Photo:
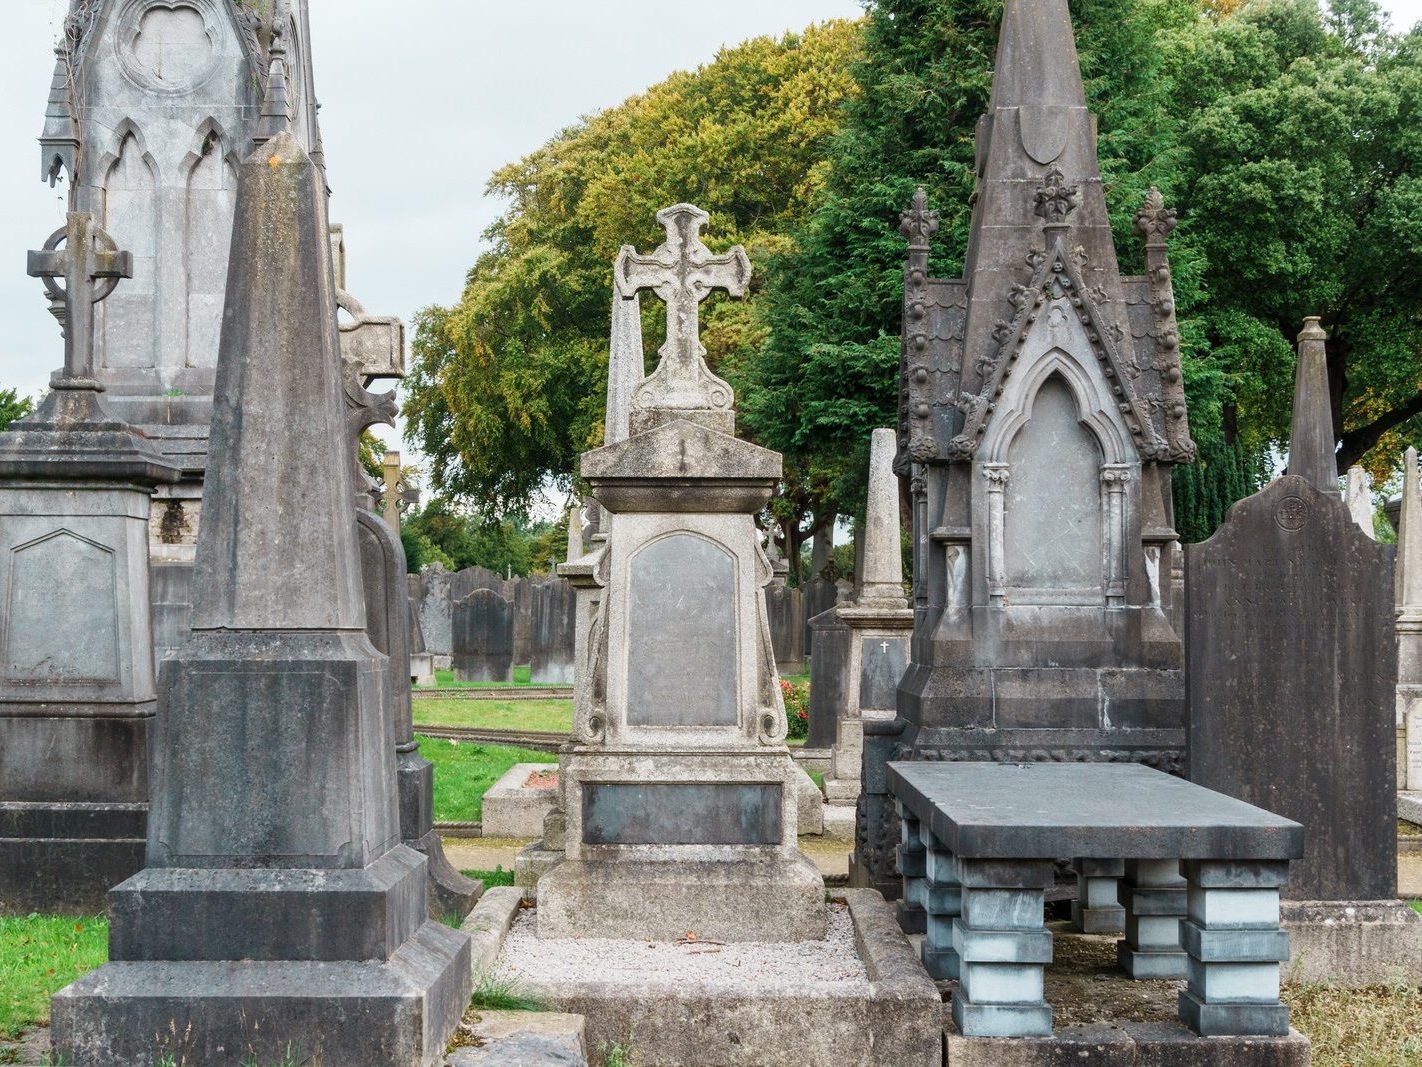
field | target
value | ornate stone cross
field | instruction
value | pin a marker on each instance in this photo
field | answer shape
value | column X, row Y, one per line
column 91, row 265
column 683, row 272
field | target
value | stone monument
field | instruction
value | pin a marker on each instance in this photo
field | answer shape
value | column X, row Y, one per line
column 1291, row 661
column 77, row 695
column 552, row 633
column 278, row 912
column 1358, row 495
column 678, row 787
column 877, row 622
column 1408, row 587
column 483, row 630
column 1042, row 409
column 385, row 583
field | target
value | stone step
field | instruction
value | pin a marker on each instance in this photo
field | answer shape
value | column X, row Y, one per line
column 527, row 1038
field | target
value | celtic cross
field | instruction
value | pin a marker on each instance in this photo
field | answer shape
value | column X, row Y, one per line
column 683, row 273
column 91, row 266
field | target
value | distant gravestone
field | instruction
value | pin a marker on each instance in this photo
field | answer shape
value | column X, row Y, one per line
column 483, row 638
column 552, row 632
column 435, row 608
column 786, row 609
column 829, row 677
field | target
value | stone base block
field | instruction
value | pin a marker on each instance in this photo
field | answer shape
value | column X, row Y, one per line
column 999, row 1020
column 843, row 792
column 450, row 894
column 401, row 1011
column 62, row 859
column 809, row 803
column 1352, row 943
column 898, row 1021
column 1127, row 1045
column 763, row 897
column 839, row 824
column 1233, row 1019
column 526, row 1038
column 1106, row 920
column 276, row 915
column 1141, row 964
column 531, row 864
column 513, row 809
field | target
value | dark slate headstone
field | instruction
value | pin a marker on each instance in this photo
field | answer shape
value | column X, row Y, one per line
column 552, row 631
column 829, row 677
column 693, row 813
column 785, row 608
column 1291, row 661
column 681, row 635
column 483, row 631
column 882, row 663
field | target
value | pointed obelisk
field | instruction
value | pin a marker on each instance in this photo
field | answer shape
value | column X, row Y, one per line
column 274, row 835
column 1312, row 445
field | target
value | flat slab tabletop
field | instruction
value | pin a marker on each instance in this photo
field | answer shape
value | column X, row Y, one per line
column 1086, row 811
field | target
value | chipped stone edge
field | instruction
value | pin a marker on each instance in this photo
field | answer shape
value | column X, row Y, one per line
column 489, row 923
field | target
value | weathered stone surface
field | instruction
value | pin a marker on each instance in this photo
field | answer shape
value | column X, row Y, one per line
column 274, row 794
column 830, row 644
column 1127, row 1045
column 483, row 637
column 1408, row 588
column 1041, row 412
column 785, row 608
column 436, row 610
column 527, row 1038
column 1352, row 942
column 513, row 808
column 1291, row 610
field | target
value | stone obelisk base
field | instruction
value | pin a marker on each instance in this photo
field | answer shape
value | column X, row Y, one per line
column 220, row 1013
column 450, row 893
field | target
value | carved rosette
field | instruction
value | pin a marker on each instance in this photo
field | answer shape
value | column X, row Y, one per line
column 918, row 224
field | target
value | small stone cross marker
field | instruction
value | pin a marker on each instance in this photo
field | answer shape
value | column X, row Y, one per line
column 884, row 646
column 91, row 265
column 683, row 272
column 398, row 497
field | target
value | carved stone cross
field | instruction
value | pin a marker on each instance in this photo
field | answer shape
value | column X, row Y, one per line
column 683, row 272
column 91, row 265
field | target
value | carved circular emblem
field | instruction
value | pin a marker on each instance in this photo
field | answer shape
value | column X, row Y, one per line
column 1292, row 513
column 168, row 46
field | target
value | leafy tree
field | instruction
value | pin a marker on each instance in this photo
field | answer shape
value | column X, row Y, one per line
column 508, row 386
column 13, row 407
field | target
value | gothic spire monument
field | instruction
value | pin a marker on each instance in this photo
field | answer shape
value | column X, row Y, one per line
column 152, row 106
column 1042, row 409
column 277, row 892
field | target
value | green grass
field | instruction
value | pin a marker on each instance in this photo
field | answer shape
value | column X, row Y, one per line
column 1378, row 1026
column 521, row 676
column 818, row 779
column 1415, row 905
column 498, row 876
column 464, row 773
column 39, row 955
column 552, row 715
column 497, row 992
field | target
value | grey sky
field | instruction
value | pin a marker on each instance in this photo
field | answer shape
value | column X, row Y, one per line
column 421, row 102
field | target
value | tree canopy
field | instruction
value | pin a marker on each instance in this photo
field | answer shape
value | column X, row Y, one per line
column 1285, row 132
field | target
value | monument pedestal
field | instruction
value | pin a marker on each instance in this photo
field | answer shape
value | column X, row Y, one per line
column 710, row 837
column 1352, row 942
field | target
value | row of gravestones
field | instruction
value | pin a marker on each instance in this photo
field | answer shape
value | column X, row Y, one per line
column 487, row 625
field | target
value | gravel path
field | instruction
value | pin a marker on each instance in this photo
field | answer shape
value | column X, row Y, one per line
column 829, row 966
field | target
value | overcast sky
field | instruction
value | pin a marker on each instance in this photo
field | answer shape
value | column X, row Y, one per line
column 421, row 101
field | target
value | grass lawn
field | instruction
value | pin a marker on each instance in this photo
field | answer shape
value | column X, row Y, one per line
column 1379, row 1026
column 551, row 715
column 39, row 955
column 463, row 774
column 521, row 676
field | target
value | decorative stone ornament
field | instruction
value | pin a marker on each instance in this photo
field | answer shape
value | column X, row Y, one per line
column 678, row 787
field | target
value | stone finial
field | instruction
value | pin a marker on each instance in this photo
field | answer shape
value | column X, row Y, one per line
column 882, row 565
column 91, row 266
column 1357, row 494
column 59, row 143
column 1312, row 444
column 1155, row 221
column 276, row 105
column 276, row 549
column 683, row 272
column 1409, row 543
column 1037, row 66
column 575, row 534
column 626, row 365
column 1057, row 198
column 918, row 223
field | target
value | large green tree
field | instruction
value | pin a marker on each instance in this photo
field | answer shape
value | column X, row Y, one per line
column 507, row 387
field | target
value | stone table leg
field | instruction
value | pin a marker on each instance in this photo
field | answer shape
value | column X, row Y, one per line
column 942, row 904
column 1002, row 947
column 912, row 859
column 1097, row 909
column 1234, row 948
column 1154, row 897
